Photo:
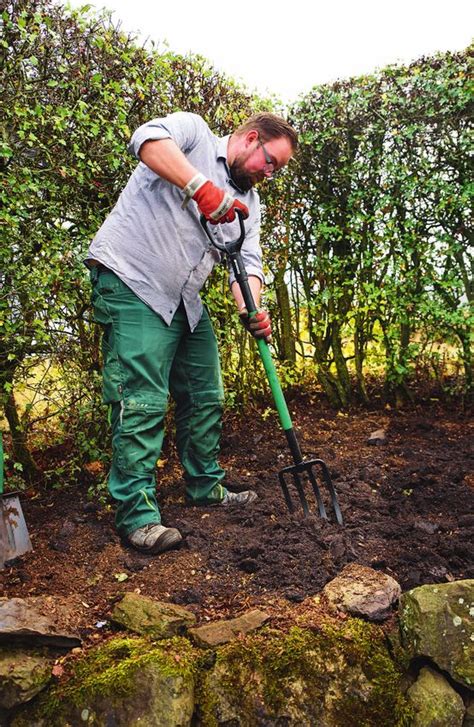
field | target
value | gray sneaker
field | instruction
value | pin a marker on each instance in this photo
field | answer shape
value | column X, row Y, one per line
column 154, row 538
column 238, row 499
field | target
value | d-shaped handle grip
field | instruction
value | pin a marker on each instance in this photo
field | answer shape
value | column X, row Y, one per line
column 233, row 245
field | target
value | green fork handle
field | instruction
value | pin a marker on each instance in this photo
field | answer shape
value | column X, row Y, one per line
column 274, row 382
column 232, row 249
column 267, row 360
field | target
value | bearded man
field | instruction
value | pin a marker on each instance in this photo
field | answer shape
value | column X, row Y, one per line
column 148, row 263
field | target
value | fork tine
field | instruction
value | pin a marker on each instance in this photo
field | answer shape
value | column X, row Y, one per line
column 317, row 492
column 308, row 468
column 286, row 492
column 299, row 487
column 332, row 491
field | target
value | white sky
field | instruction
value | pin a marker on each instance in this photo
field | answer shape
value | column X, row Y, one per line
column 286, row 48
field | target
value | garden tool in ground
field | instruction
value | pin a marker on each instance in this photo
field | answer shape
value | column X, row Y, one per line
column 302, row 471
column 14, row 538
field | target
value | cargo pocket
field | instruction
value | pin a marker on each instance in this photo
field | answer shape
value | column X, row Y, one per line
column 112, row 387
column 141, row 432
column 112, row 376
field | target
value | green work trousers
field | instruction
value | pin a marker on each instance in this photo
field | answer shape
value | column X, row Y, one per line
column 144, row 360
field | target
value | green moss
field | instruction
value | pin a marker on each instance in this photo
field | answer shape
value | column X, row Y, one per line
column 264, row 667
column 268, row 672
column 400, row 655
column 110, row 669
column 386, row 705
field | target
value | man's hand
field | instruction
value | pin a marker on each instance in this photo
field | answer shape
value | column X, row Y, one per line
column 216, row 204
column 259, row 326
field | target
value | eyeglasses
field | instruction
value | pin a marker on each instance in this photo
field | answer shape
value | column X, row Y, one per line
column 269, row 166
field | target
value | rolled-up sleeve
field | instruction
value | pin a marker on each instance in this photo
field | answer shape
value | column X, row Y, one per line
column 182, row 127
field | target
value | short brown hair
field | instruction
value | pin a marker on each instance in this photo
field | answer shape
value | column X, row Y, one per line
column 270, row 126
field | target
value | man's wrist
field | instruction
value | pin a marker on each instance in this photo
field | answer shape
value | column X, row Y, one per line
column 192, row 187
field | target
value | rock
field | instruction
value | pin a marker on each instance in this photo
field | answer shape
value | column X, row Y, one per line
column 335, row 674
column 123, row 683
column 426, row 527
column 135, row 563
column 155, row 619
column 221, row 632
column 23, row 674
column 435, row 702
column 304, row 678
column 362, row 591
column 377, row 438
column 68, row 529
column 437, row 621
column 469, row 716
column 60, row 546
column 37, row 620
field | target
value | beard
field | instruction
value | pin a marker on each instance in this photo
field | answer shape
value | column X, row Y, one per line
column 242, row 179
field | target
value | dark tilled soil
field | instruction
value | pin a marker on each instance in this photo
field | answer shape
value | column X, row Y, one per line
column 407, row 506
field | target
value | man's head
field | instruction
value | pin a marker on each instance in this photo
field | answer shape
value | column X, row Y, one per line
column 259, row 148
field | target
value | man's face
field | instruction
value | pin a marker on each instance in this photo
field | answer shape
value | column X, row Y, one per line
column 256, row 160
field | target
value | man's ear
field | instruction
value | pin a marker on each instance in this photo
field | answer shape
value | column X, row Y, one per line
column 251, row 136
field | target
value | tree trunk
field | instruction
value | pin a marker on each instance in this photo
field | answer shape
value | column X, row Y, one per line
column 343, row 378
column 359, row 354
column 287, row 343
column 21, row 453
column 466, row 356
column 327, row 380
column 403, row 395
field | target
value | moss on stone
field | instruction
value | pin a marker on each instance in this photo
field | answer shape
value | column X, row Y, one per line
column 23, row 673
column 269, row 670
column 341, row 673
column 109, row 671
column 436, row 622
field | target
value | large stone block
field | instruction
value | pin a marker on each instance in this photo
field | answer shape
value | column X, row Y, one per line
column 125, row 682
column 221, row 632
column 437, row 621
column 363, row 592
column 338, row 675
column 23, row 674
column 156, row 619
column 435, row 702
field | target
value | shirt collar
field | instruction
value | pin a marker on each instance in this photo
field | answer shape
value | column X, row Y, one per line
column 222, row 144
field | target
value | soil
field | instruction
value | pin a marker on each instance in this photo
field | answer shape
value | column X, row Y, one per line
column 407, row 506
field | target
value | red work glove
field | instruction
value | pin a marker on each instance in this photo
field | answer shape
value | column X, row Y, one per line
column 259, row 326
column 216, row 205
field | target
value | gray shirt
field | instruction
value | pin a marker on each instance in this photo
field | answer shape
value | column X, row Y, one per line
column 156, row 248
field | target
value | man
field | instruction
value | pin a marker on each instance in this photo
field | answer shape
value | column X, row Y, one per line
column 148, row 262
